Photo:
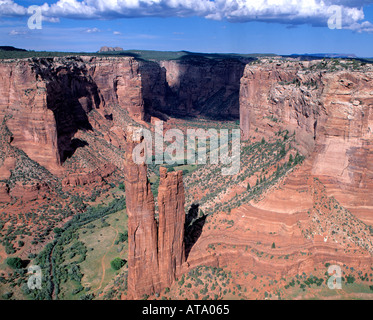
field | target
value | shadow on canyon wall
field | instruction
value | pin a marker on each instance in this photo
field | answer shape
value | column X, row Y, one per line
column 193, row 86
column 193, row 228
column 71, row 96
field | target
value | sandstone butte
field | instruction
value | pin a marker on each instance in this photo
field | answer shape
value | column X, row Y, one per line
column 156, row 250
column 47, row 102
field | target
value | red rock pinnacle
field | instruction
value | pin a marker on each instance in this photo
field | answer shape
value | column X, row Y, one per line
column 171, row 249
column 143, row 276
column 155, row 254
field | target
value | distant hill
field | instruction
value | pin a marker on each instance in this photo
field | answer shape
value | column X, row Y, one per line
column 10, row 48
column 324, row 55
column 10, row 52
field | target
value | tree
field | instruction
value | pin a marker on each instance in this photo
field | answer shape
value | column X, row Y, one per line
column 117, row 263
column 58, row 231
column 290, row 158
column 123, row 237
column 248, row 187
column 273, row 245
column 121, row 186
column 14, row 263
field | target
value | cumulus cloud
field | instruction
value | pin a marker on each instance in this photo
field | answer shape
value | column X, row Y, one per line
column 289, row 12
column 11, row 9
column 365, row 26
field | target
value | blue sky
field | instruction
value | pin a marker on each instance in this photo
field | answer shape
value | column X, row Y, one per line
column 241, row 26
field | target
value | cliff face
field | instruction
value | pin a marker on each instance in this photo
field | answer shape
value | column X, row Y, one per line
column 49, row 99
column 156, row 250
column 274, row 92
column 330, row 112
column 202, row 86
column 23, row 97
column 119, row 82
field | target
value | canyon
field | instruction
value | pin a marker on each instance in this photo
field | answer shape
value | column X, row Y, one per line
column 65, row 125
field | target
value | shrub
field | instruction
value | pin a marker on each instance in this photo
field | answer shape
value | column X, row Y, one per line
column 14, row 263
column 122, row 187
column 117, row 263
column 7, row 295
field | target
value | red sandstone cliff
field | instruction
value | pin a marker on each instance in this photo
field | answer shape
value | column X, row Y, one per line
column 51, row 101
column 23, row 96
column 97, row 175
column 203, row 86
column 331, row 113
column 48, row 100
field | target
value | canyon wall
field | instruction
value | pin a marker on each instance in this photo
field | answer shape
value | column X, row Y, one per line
column 272, row 91
column 331, row 112
column 23, row 100
column 47, row 100
column 200, row 86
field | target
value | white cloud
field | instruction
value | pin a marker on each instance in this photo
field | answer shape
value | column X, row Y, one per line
column 10, row 8
column 365, row 26
column 92, row 30
column 18, row 32
column 117, row 33
column 289, row 12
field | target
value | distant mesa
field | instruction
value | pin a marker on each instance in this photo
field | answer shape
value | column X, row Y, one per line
column 110, row 49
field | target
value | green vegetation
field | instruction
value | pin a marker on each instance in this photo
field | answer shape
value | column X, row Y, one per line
column 149, row 55
column 14, row 263
column 117, row 263
column 61, row 260
column 122, row 187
